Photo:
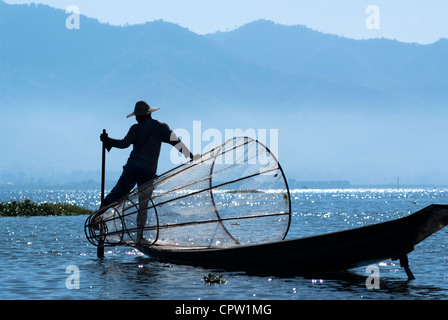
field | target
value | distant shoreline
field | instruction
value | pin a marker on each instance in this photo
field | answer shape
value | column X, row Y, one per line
column 293, row 184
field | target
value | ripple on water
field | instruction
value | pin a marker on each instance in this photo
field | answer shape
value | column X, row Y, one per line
column 36, row 251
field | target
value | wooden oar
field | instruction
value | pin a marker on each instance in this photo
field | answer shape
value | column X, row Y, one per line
column 100, row 249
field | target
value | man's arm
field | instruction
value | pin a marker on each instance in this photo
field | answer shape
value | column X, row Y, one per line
column 180, row 146
column 119, row 143
column 168, row 136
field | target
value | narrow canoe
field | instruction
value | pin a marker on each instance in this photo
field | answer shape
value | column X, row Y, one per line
column 329, row 252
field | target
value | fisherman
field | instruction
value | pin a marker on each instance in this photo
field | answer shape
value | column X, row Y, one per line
column 146, row 137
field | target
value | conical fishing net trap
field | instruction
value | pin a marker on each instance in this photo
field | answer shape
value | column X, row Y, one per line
column 235, row 194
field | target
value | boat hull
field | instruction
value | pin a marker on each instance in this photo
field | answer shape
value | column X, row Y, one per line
column 329, row 252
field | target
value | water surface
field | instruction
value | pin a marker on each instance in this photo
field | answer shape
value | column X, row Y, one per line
column 35, row 253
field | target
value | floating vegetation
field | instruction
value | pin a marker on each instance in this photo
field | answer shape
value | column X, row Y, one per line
column 27, row 208
column 213, row 279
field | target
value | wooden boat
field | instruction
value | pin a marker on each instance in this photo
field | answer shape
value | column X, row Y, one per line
column 329, row 252
column 232, row 209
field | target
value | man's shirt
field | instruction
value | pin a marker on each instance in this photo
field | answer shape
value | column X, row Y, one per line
column 147, row 137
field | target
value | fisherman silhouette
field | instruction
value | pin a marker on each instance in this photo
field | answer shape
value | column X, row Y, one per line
column 146, row 136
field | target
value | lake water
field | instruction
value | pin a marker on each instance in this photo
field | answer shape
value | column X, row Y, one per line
column 41, row 256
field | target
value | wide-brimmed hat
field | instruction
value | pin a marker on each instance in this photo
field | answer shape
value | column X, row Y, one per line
column 142, row 108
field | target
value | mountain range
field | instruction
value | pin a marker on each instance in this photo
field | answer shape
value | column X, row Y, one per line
column 359, row 110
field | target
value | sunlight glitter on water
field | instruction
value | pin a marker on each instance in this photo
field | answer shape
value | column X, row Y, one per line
column 36, row 251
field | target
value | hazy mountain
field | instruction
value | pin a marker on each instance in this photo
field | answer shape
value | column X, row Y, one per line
column 394, row 68
column 260, row 62
column 345, row 109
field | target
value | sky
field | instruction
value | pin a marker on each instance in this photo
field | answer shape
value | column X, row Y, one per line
column 408, row 21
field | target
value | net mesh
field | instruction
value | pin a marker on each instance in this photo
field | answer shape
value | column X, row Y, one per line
column 235, row 194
